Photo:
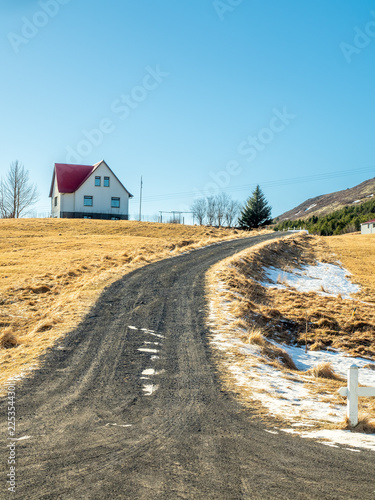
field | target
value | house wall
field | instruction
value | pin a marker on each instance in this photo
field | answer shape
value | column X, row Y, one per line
column 55, row 210
column 101, row 195
column 67, row 202
column 368, row 228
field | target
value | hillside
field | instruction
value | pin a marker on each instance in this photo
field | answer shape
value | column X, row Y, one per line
column 327, row 203
column 345, row 220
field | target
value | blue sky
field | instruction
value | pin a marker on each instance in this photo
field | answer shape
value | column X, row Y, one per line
column 195, row 95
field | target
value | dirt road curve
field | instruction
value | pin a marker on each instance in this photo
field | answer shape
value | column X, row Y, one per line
column 99, row 428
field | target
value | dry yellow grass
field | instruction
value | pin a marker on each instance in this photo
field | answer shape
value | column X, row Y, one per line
column 269, row 351
column 357, row 253
column 363, row 426
column 52, row 271
column 324, row 370
column 282, row 314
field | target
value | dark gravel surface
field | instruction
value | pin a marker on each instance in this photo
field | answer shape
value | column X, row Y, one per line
column 96, row 434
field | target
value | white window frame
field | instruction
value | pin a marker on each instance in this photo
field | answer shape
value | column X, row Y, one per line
column 115, row 199
column 88, row 198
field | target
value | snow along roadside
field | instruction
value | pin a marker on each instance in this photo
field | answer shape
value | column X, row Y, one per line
column 288, row 395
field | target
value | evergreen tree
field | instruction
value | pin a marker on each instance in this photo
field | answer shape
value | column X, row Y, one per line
column 256, row 212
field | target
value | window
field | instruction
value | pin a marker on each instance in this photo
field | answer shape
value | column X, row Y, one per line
column 55, row 201
column 87, row 201
column 115, row 203
column 106, row 182
column 98, row 180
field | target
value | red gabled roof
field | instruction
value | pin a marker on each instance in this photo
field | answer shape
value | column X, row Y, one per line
column 70, row 177
column 369, row 221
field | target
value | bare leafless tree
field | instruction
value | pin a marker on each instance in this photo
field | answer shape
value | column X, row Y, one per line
column 199, row 209
column 222, row 203
column 231, row 212
column 211, row 210
column 2, row 207
column 17, row 194
column 217, row 210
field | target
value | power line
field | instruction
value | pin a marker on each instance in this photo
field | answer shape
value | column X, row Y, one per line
column 271, row 183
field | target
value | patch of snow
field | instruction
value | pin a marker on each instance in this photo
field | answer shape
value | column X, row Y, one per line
column 310, row 207
column 357, row 201
column 132, row 328
column 146, row 349
column 148, row 371
column 282, row 396
column 156, row 335
column 150, row 389
column 23, row 438
column 339, row 437
column 119, row 425
column 286, row 394
column 340, row 361
column 370, row 196
column 329, row 277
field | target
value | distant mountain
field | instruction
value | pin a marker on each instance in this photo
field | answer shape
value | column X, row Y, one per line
column 328, row 203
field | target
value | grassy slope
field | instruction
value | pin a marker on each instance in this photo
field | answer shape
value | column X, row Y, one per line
column 357, row 253
column 52, row 271
column 330, row 319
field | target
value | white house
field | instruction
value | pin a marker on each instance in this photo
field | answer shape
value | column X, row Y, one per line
column 90, row 192
column 368, row 227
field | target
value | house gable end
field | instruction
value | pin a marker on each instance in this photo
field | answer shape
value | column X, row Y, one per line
column 114, row 175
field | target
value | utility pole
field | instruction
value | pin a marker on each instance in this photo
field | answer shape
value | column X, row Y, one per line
column 140, row 202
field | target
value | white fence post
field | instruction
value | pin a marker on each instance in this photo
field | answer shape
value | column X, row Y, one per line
column 352, row 392
column 353, row 395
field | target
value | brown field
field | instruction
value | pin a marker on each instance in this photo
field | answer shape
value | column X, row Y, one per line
column 284, row 314
column 53, row 270
column 357, row 253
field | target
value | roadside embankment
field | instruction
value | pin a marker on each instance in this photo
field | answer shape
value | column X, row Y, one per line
column 287, row 321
